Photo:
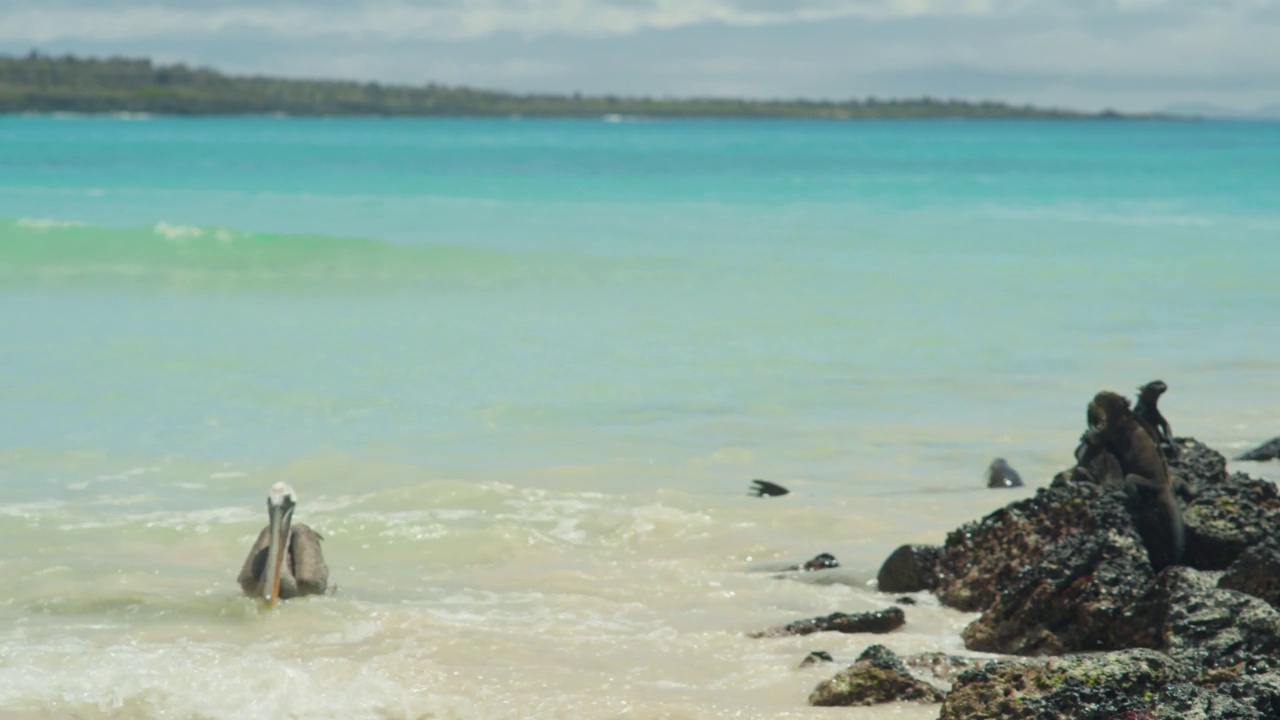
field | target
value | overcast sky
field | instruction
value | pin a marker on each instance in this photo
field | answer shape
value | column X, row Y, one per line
column 1131, row 55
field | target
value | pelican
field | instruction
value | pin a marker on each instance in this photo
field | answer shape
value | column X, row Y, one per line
column 286, row 561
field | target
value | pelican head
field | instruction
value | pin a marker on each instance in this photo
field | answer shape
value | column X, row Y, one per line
column 280, row 503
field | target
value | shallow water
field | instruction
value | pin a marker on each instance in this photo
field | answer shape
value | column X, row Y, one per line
column 521, row 374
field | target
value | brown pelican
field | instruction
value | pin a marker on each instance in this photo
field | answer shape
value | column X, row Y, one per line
column 286, row 560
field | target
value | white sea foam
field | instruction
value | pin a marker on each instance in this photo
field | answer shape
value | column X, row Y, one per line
column 46, row 224
column 125, row 475
column 175, row 232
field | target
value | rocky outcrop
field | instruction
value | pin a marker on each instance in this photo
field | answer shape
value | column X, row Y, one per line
column 1066, row 597
column 1065, row 586
column 1094, row 685
column 1210, row 653
column 1197, row 466
column 1269, row 450
column 911, row 568
column 1050, row 574
column 880, row 621
column 1054, row 573
column 878, row 676
column 1227, row 517
column 1256, row 572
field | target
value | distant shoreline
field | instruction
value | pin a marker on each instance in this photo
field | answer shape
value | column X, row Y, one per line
column 41, row 84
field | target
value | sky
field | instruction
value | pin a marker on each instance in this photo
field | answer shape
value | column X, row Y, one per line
column 1127, row 55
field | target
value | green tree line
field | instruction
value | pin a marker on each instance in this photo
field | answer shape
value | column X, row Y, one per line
column 43, row 83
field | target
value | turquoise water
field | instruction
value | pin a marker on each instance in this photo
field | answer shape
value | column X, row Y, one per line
column 521, row 373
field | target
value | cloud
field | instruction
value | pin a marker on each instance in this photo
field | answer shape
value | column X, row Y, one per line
column 55, row 20
column 1088, row 54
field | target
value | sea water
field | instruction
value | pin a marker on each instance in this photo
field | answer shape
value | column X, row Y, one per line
column 522, row 372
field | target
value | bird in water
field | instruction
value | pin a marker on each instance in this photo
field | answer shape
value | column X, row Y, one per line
column 286, row 561
column 1001, row 475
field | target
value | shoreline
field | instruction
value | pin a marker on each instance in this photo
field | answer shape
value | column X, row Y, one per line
column 607, row 117
column 40, row 83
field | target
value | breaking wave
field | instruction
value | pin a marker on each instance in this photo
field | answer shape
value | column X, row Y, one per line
column 44, row 252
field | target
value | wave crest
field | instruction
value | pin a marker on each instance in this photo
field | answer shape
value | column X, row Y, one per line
column 42, row 251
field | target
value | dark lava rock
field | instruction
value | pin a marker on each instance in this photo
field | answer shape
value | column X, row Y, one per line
column 1124, row 685
column 981, row 559
column 1091, row 685
column 1197, row 465
column 1228, row 516
column 1146, row 622
column 1256, row 572
column 1186, row 616
column 1051, row 573
column 816, row 657
column 910, row 568
column 822, row 561
column 1001, row 475
column 1065, row 572
column 1269, row 450
column 880, row 621
column 1223, row 628
column 942, row 667
column 878, row 676
column 1069, row 596
column 1223, row 515
column 905, row 600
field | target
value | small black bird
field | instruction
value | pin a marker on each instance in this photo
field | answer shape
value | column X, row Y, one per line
column 761, row 488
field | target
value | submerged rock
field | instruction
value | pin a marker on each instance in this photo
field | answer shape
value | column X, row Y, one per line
column 880, row 621
column 816, row 657
column 822, row 561
column 1269, row 450
column 878, row 676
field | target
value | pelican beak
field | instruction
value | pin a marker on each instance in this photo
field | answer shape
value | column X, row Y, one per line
column 277, row 546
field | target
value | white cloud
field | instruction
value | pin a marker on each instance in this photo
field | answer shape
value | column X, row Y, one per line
column 1128, row 54
column 460, row 19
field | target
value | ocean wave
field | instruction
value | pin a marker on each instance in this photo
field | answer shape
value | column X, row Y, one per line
column 46, row 224
column 170, row 231
column 171, row 255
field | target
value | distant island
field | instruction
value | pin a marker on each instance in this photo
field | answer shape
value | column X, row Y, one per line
column 38, row 83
